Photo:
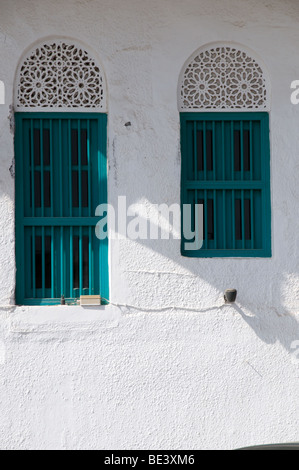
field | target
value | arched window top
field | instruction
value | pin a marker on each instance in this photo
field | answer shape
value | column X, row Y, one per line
column 59, row 75
column 222, row 77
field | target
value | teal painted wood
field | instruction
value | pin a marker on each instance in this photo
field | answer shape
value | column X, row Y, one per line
column 229, row 173
column 57, row 251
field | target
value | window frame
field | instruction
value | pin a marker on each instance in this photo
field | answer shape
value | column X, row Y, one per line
column 264, row 183
column 102, row 189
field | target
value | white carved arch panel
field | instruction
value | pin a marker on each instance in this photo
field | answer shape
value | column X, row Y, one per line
column 59, row 75
column 222, row 78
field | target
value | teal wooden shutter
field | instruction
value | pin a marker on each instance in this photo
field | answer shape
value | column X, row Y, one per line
column 226, row 168
column 61, row 177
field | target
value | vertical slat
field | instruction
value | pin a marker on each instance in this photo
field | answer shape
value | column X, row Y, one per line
column 61, row 169
column 41, row 131
column 196, row 221
column 21, row 150
column 233, row 219
column 80, row 262
column 79, row 168
column 243, row 218
column 32, row 168
column 215, row 218
column 89, row 172
column 252, row 242
column 52, row 170
column 251, row 151
column 33, row 264
column 52, row 264
column 206, row 218
column 232, row 137
column 90, row 260
column 70, row 168
column 204, row 140
column 102, row 276
column 223, row 150
column 214, row 151
column 195, row 150
column 242, row 149
column 100, row 282
column 71, row 262
column 62, row 283
column 224, row 217
column 43, row 262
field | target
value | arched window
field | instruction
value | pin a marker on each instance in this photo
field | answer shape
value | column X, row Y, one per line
column 224, row 99
column 61, row 174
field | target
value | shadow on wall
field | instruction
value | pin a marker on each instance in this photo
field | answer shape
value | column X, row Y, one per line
column 271, row 327
column 199, row 283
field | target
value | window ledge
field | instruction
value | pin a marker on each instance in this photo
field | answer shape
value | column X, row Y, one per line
column 59, row 318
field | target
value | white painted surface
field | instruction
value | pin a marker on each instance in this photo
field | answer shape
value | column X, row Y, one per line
column 151, row 377
column 2, row 93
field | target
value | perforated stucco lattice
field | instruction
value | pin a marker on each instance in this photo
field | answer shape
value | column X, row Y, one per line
column 59, row 75
column 223, row 77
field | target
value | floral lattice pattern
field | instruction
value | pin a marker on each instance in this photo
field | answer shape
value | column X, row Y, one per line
column 59, row 75
column 222, row 78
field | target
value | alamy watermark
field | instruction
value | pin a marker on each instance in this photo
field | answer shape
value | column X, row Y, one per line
column 295, row 93
column 134, row 223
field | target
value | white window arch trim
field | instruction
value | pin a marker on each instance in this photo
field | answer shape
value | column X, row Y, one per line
column 224, row 77
column 59, row 74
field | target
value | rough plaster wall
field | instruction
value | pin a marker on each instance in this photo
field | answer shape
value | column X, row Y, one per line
column 201, row 376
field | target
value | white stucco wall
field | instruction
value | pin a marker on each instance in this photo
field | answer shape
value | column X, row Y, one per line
column 176, row 369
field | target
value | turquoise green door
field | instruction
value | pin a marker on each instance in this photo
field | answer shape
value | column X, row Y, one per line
column 226, row 169
column 61, row 177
